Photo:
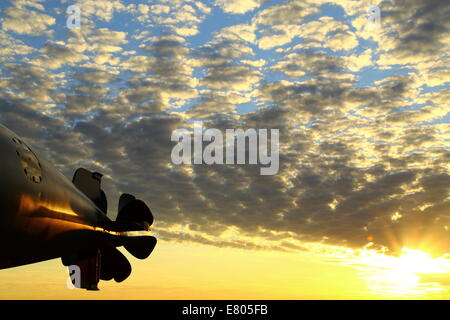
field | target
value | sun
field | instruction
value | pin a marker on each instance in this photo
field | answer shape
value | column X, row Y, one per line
column 401, row 275
column 418, row 262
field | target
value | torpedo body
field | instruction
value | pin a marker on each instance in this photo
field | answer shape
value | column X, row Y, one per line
column 43, row 216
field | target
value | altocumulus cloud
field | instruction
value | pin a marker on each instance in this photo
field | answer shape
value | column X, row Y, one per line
column 363, row 114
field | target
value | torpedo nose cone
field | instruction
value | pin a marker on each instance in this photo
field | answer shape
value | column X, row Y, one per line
column 20, row 169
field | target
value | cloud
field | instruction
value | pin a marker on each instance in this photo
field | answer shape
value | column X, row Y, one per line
column 289, row 12
column 238, row 6
column 100, row 9
column 10, row 47
column 25, row 80
column 163, row 74
column 363, row 128
column 238, row 32
column 21, row 20
column 54, row 56
column 179, row 17
column 231, row 77
column 94, row 77
column 313, row 62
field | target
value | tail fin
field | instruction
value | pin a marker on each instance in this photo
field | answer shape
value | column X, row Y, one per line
column 89, row 183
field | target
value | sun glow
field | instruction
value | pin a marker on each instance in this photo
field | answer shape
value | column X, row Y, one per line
column 403, row 275
column 416, row 261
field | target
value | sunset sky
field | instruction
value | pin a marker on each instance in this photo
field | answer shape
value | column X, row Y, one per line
column 360, row 207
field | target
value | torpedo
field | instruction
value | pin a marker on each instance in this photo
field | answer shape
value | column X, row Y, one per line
column 44, row 215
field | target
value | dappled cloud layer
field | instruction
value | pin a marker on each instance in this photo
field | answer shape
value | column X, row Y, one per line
column 362, row 112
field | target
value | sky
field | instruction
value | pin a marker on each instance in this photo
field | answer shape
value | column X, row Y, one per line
column 362, row 191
